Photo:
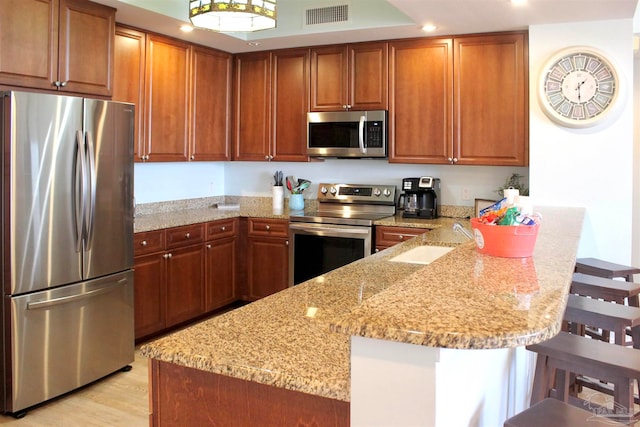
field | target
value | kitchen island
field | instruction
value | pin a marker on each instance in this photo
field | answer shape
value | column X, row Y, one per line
column 299, row 340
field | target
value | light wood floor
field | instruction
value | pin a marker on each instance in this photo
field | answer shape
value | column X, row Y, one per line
column 119, row 400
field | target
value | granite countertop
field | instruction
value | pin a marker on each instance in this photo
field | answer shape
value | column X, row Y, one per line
column 298, row 339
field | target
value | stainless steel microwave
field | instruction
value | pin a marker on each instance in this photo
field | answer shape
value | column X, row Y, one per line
column 349, row 134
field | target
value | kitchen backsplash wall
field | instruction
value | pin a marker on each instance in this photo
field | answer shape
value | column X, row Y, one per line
column 156, row 182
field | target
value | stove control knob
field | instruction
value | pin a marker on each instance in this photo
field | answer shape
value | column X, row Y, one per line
column 333, row 191
column 377, row 192
column 386, row 192
column 323, row 190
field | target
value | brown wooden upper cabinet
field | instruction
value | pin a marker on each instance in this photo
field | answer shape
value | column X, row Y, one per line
column 270, row 105
column 490, row 100
column 459, row 101
column 349, row 77
column 128, row 82
column 64, row 45
column 182, row 94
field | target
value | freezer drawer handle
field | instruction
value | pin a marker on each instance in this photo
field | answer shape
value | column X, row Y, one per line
column 71, row 298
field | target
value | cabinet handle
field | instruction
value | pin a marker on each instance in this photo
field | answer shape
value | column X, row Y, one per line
column 401, row 237
column 208, row 246
column 267, row 227
column 223, row 228
column 167, row 256
column 286, row 243
column 63, row 84
column 266, row 157
column 187, row 235
column 192, row 157
column 455, row 160
column 143, row 243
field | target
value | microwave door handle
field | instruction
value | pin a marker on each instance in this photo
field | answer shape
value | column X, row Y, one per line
column 363, row 149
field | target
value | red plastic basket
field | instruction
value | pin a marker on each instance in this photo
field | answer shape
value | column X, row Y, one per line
column 507, row 241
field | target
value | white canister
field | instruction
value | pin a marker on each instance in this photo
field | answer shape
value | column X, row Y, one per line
column 524, row 204
column 277, row 193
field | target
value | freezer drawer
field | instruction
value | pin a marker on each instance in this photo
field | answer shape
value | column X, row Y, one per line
column 68, row 337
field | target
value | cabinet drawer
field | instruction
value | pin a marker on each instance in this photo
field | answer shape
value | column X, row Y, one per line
column 221, row 228
column 182, row 236
column 268, row 227
column 389, row 236
column 148, row 242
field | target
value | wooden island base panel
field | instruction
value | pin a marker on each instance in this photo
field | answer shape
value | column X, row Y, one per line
column 182, row 396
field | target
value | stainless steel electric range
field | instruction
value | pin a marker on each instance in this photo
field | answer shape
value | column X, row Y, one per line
column 340, row 231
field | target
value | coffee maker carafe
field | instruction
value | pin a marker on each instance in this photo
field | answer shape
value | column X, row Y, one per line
column 421, row 197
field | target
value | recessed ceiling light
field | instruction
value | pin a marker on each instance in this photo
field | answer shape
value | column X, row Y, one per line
column 186, row 28
column 429, row 28
column 518, row 2
column 254, row 44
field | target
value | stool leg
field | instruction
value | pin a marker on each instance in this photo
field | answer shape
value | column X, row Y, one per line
column 563, row 381
column 623, row 396
column 541, row 380
column 635, row 336
column 634, row 301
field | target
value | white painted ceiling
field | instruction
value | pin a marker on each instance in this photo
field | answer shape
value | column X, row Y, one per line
column 371, row 19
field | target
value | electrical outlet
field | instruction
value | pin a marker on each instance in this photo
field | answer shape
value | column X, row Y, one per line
column 466, row 194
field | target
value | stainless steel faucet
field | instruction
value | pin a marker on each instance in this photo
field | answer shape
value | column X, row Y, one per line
column 457, row 227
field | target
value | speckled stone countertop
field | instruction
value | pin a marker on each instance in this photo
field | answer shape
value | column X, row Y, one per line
column 298, row 339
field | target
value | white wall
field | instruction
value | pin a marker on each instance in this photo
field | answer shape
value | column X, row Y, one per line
column 589, row 167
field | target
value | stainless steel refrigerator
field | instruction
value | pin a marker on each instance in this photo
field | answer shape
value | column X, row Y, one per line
column 67, row 215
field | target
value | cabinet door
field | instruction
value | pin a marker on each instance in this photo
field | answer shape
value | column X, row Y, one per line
column 252, row 85
column 29, row 43
column 211, row 104
column 220, row 273
column 490, row 83
column 166, row 99
column 420, row 93
column 149, row 294
column 268, row 271
column 329, row 78
column 368, row 76
column 87, row 32
column 185, row 284
column 290, row 103
column 128, row 77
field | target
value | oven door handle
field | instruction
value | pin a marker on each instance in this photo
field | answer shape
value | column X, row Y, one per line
column 330, row 230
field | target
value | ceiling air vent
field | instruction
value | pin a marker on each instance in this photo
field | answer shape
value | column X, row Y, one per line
column 327, row 15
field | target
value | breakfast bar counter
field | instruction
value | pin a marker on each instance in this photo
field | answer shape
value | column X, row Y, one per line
column 300, row 339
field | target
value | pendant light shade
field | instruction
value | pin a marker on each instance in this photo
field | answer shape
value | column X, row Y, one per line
column 233, row 15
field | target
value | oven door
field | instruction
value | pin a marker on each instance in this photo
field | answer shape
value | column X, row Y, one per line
column 315, row 249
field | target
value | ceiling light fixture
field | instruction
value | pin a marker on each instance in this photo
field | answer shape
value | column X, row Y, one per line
column 186, row 28
column 429, row 28
column 230, row 16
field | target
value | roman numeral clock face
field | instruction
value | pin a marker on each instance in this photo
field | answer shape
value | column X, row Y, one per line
column 578, row 87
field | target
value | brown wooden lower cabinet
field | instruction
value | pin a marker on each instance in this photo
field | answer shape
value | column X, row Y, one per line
column 387, row 236
column 182, row 396
column 267, row 257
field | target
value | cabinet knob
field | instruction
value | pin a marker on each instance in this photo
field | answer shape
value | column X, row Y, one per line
column 266, row 157
column 401, row 237
column 286, row 243
column 187, row 235
column 455, row 160
column 267, row 227
column 223, row 228
column 192, row 157
column 167, row 256
column 143, row 243
column 208, row 246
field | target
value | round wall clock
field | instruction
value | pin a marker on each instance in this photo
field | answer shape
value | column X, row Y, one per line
column 579, row 87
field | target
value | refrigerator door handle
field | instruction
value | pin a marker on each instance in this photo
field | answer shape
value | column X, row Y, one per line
column 36, row 305
column 79, row 198
column 91, row 177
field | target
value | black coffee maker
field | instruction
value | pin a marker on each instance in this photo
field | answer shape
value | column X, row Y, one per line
column 421, row 197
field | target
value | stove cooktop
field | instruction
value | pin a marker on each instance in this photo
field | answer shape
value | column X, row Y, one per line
column 350, row 204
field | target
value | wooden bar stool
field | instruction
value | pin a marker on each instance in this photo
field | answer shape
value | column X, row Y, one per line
column 609, row 270
column 583, row 311
column 567, row 354
column 605, row 288
column 553, row 413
